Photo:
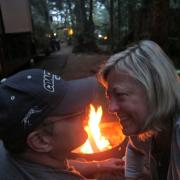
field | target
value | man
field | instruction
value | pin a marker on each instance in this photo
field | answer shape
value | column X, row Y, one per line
column 41, row 122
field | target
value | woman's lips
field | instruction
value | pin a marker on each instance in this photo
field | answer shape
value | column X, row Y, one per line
column 124, row 120
column 122, row 117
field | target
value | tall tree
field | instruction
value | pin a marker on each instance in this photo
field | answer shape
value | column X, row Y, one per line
column 143, row 18
column 84, row 35
column 159, row 27
column 112, row 24
column 119, row 20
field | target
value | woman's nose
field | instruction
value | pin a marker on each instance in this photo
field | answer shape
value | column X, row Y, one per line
column 113, row 106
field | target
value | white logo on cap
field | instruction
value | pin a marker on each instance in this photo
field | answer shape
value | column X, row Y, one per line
column 57, row 77
column 48, row 81
column 3, row 80
column 26, row 120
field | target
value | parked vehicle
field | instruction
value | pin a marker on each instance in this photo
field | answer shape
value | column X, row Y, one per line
column 24, row 34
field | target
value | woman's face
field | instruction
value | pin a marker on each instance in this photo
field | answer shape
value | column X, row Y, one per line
column 128, row 100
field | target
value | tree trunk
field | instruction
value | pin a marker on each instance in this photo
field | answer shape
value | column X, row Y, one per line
column 84, row 37
column 90, row 27
column 159, row 29
column 131, row 21
column 119, row 20
column 143, row 17
column 112, row 24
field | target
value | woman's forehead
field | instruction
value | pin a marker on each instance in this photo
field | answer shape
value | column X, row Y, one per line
column 122, row 80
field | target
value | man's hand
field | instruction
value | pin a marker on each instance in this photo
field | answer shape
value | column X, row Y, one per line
column 90, row 167
column 111, row 164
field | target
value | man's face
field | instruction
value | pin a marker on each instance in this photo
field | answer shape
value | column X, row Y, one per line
column 68, row 132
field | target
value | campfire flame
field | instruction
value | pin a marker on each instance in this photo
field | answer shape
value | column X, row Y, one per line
column 96, row 142
column 101, row 136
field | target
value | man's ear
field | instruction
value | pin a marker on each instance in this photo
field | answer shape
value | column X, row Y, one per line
column 39, row 142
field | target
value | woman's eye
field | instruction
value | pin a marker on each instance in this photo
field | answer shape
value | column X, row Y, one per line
column 120, row 95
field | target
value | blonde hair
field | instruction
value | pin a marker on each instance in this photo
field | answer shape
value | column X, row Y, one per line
column 147, row 63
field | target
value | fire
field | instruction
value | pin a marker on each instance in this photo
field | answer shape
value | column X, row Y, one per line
column 96, row 142
column 101, row 136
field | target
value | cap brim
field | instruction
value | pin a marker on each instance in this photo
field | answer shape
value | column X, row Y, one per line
column 79, row 94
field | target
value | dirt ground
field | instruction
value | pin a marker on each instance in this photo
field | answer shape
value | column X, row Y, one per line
column 82, row 65
column 70, row 65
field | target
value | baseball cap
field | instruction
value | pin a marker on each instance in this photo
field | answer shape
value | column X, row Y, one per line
column 29, row 96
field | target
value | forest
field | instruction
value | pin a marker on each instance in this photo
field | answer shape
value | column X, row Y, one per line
column 91, row 26
column 117, row 23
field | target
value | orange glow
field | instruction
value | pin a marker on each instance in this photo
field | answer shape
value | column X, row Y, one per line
column 70, row 32
column 95, row 142
column 101, row 136
column 105, row 38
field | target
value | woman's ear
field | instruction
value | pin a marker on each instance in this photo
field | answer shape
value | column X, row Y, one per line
column 39, row 142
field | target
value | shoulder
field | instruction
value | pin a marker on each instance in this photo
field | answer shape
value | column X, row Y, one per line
column 7, row 170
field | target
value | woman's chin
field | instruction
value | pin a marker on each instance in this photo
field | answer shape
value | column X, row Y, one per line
column 128, row 132
column 125, row 132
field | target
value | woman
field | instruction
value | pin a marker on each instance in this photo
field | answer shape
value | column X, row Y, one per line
column 143, row 91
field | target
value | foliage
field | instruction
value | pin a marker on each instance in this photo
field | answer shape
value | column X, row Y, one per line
column 124, row 21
